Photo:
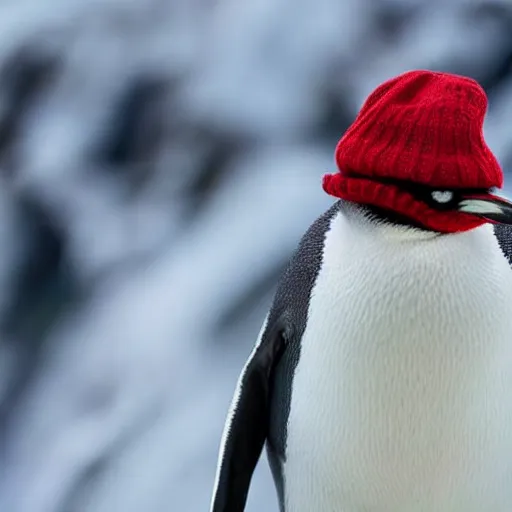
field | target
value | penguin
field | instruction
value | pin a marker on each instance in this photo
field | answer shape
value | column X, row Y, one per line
column 381, row 379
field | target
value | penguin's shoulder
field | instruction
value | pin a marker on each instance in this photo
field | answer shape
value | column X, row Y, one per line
column 290, row 309
column 503, row 233
column 291, row 300
column 300, row 275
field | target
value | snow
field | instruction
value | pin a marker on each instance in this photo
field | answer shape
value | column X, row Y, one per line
column 124, row 404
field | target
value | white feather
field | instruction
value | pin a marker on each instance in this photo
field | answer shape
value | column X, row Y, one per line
column 402, row 398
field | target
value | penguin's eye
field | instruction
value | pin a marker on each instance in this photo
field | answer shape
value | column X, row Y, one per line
column 442, row 196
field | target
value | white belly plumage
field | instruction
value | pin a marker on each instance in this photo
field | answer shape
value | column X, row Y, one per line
column 402, row 397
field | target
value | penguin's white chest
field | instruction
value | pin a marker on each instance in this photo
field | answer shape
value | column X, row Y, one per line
column 402, row 397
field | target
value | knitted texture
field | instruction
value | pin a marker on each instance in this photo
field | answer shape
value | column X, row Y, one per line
column 423, row 127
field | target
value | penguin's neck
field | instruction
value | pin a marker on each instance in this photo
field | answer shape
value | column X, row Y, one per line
column 389, row 217
column 384, row 222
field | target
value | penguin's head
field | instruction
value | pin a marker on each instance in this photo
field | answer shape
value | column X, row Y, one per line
column 416, row 149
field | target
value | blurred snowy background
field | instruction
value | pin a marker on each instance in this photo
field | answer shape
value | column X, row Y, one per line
column 159, row 160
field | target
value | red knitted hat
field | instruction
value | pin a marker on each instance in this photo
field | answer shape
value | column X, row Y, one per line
column 422, row 127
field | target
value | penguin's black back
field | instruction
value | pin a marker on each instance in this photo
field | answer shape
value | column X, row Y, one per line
column 503, row 233
column 290, row 312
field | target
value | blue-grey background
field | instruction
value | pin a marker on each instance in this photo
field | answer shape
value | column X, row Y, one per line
column 159, row 160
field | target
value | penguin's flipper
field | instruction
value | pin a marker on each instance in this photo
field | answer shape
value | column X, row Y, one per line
column 246, row 426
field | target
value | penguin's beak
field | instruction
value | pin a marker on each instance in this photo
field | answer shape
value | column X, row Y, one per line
column 494, row 209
